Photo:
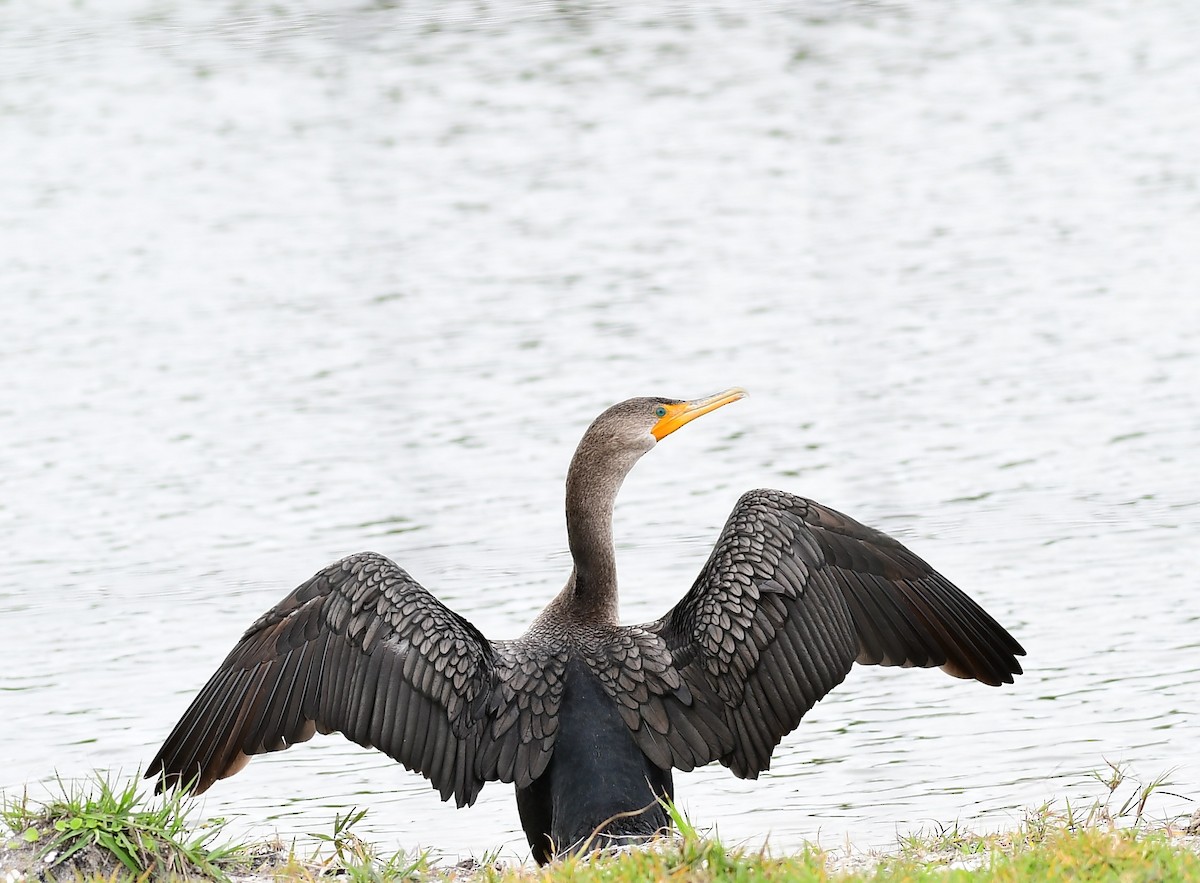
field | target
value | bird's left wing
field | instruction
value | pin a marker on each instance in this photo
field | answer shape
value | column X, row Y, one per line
column 363, row 649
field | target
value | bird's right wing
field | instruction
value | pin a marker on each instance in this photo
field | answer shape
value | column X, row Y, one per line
column 792, row 594
column 363, row 649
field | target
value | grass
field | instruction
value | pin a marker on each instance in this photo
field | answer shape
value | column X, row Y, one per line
column 116, row 833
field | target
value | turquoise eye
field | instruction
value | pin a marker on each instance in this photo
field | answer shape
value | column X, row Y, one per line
column 660, row 411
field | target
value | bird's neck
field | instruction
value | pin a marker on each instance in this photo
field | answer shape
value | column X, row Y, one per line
column 592, row 485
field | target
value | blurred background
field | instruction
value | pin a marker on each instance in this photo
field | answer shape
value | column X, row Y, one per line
column 283, row 282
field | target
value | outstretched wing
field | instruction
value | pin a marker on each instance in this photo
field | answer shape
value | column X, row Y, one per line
column 363, row 649
column 794, row 593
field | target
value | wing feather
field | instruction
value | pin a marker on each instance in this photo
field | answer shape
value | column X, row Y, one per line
column 363, row 649
column 792, row 594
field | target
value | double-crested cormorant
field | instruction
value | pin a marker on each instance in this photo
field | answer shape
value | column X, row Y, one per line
column 588, row 717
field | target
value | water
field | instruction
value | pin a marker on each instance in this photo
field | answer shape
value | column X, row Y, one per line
column 280, row 286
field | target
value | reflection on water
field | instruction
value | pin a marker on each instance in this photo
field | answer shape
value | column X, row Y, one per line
column 283, row 286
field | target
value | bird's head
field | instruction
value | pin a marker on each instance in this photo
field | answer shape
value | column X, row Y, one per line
column 631, row 428
column 612, row 444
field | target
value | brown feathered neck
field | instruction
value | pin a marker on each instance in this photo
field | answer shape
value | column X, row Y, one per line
column 604, row 457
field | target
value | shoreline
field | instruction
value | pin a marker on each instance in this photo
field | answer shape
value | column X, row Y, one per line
column 111, row 830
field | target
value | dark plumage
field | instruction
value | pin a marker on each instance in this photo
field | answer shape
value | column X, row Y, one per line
column 585, row 716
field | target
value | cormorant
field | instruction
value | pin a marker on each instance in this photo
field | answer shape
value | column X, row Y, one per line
column 588, row 717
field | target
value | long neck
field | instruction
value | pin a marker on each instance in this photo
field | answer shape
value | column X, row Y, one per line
column 592, row 484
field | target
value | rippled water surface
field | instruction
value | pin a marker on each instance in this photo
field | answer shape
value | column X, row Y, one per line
column 280, row 286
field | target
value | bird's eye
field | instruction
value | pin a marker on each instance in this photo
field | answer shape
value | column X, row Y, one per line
column 660, row 411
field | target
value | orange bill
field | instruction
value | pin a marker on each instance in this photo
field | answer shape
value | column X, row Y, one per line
column 685, row 412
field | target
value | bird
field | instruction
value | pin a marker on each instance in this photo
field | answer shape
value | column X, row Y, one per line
column 587, row 717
